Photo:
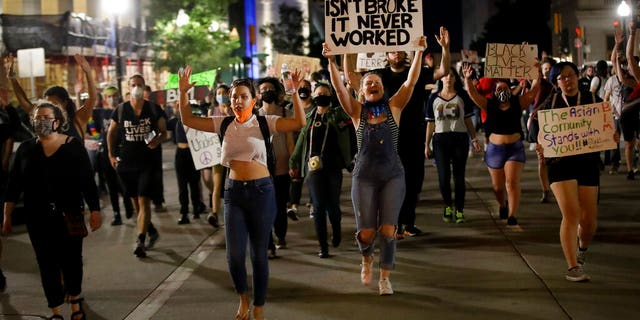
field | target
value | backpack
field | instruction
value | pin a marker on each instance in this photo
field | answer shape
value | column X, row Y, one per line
column 264, row 129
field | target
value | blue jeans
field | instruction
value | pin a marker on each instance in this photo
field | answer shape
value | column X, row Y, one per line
column 451, row 149
column 249, row 212
column 324, row 186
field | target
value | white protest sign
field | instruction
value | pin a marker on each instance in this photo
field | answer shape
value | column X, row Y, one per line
column 205, row 148
column 353, row 26
column 576, row 130
column 370, row 61
column 511, row 61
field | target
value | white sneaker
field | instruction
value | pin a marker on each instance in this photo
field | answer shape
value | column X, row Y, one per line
column 366, row 272
column 384, row 287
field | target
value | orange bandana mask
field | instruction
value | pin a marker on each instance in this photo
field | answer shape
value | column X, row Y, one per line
column 243, row 115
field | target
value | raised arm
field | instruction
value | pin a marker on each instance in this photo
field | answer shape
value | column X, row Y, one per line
column 188, row 118
column 400, row 98
column 287, row 124
column 445, row 61
column 17, row 89
column 527, row 99
column 84, row 112
column 350, row 105
column 634, row 69
column 475, row 96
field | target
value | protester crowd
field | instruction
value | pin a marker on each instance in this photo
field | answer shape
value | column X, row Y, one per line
column 380, row 126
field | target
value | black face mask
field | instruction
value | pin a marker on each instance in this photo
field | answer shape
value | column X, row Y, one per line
column 304, row 93
column 322, row 101
column 269, row 96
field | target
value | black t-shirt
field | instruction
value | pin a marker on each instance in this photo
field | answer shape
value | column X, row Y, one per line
column 412, row 119
column 134, row 152
column 9, row 125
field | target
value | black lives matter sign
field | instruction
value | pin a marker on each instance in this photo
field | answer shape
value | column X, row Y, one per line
column 511, row 61
column 353, row 26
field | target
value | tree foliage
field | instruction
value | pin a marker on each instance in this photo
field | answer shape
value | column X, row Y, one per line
column 516, row 21
column 286, row 35
column 194, row 43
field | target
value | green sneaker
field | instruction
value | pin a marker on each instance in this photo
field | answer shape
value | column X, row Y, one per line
column 448, row 214
column 459, row 217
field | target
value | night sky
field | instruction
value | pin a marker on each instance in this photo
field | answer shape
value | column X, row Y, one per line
column 445, row 13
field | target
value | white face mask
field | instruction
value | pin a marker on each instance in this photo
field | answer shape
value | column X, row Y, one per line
column 111, row 101
column 137, row 93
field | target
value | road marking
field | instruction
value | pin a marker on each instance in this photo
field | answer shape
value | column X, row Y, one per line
column 158, row 297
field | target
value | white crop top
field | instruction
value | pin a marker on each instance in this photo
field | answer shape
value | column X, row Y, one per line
column 244, row 141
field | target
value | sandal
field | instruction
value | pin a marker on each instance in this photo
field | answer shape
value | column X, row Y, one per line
column 80, row 311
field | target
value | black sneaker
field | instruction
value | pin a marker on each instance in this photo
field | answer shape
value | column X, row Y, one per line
column 631, row 175
column 3, row 282
column 153, row 238
column 412, row 231
column 199, row 209
column 140, row 250
column 117, row 220
column 504, row 212
column 292, row 214
column 213, row 220
column 512, row 221
column 184, row 219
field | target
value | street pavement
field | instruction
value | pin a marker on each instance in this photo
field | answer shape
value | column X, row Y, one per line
column 481, row 269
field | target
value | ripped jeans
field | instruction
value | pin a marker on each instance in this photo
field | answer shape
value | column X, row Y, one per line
column 378, row 190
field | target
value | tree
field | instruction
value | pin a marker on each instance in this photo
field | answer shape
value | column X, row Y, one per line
column 286, row 35
column 196, row 43
column 516, row 21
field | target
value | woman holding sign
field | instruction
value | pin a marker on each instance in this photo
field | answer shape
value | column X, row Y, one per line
column 574, row 179
column 378, row 184
column 505, row 155
column 249, row 194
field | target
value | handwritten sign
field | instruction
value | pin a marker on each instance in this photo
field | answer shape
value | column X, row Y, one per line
column 370, row 61
column 305, row 65
column 205, row 148
column 353, row 26
column 576, row 130
column 511, row 61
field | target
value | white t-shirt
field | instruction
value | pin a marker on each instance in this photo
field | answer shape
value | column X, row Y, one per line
column 244, row 141
column 614, row 86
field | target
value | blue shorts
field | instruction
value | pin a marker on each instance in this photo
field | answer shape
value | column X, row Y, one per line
column 498, row 154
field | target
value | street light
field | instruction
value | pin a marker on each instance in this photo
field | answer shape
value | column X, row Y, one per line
column 624, row 11
column 115, row 8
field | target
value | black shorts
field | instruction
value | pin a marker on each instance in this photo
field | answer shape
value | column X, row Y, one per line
column 583, row 167
column 629, row 122
column 140, row 182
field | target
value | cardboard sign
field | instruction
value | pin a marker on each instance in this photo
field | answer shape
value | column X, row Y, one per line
column 511, row 61
column 370, row 61
column 305, row 65
column 372, row 25
column 576, row 130
column 205, row 148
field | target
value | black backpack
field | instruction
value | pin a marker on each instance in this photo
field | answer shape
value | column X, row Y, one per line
column 264, row 128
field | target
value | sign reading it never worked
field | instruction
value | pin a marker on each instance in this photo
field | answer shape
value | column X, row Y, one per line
column 353, row 26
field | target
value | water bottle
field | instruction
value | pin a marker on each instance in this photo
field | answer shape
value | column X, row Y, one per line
column 286, row 79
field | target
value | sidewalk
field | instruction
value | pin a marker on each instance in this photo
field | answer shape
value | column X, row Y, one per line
column 481, row 269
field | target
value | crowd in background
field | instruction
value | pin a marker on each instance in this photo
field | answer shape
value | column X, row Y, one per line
column 405, row 113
